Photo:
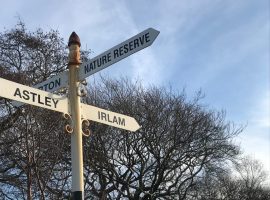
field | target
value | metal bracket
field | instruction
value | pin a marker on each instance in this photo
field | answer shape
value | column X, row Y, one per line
column 81, row 89
column 68, row 127
column 85, row 130
column 83, row 82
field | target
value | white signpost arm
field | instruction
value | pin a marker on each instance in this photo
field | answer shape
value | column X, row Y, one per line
column 72, row 105
column 118, row 52
column 110, row 118
column 76, row 136
column 50, row 85
column 33, row 96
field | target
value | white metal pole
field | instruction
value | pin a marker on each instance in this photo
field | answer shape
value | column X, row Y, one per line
column 74, row 101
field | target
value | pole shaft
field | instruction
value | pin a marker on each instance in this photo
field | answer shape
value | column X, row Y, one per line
column 75, row 109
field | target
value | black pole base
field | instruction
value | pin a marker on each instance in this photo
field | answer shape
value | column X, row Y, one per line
column 77, row 195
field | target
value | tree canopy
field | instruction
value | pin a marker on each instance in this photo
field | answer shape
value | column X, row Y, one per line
column 181, row 148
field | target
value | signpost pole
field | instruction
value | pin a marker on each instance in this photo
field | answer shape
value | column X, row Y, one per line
column 74, row 101
column 57, row 103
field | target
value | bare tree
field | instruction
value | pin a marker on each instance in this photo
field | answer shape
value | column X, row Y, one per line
column 243, row 180
column 163, row 160
column 32, row 140
column 252, row 176
column 34, row 150
column 181, row 142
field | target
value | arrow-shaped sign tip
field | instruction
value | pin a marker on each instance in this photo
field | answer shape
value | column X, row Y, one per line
column 152, row 29
column 132, row 124
column 154, row 33
column 136, row 128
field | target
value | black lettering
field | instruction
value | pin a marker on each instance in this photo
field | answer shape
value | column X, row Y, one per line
column 109, row 118
column 51, row 85
column 130, row 44
column 115, row 119
column 86, row 69
column 147, row 37
column 104, row 59
column 17, row 92
column 98, row 115
column 92, row 67
column 57, row 82
column 39, row 101
column 99, row 62
column 109, row 57
column 33, row 96
column 45, row 87
column 94, row 63
column 48, row 101
column 55, row 102
column 121, row 51
column 115, row 53
column 141, row 40
column 121, row 121
column 103, row 116
column 26, row 95
column 136, row 43
column 125, row 48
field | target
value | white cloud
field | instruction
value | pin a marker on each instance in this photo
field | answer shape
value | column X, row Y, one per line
column 256, row 142
column 255, row 139
column 146, row 66
column 196, row 46
column 260, row 114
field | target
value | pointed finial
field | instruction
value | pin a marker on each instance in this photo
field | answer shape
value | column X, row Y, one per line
column 74, row 39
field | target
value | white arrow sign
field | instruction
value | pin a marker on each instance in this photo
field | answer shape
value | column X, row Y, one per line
column 54, row 83
column 110, row 118
column 119, row 52
column 33, row 96
column 50, row 85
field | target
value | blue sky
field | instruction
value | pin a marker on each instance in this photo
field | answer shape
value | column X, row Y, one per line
column 220, row 47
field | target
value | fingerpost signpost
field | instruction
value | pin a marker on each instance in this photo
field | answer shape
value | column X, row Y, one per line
column 40, row 95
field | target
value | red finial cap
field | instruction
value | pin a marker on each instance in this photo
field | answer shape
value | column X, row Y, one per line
column 74, row 39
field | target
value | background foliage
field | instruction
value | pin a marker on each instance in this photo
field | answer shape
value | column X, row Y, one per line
column 183, row 150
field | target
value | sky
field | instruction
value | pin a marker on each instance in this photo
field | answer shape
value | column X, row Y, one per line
column 219, row 47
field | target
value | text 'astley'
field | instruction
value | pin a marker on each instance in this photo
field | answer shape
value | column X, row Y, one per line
column 35, row 98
